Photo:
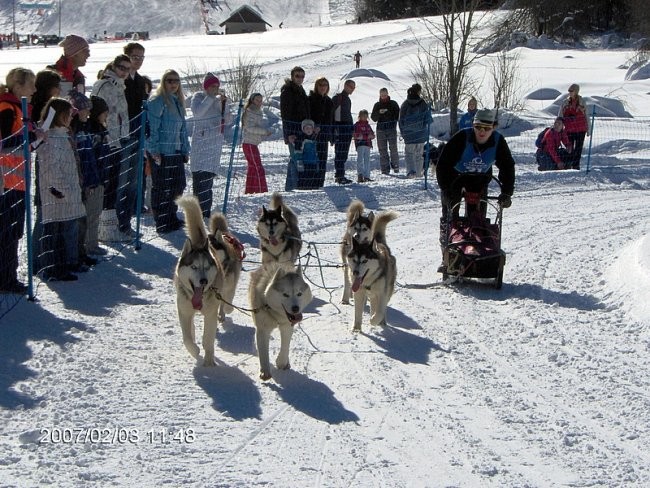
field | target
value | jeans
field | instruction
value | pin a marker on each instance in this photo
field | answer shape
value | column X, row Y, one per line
column 202, row 189
column 127, row 186
column 413, row 158
column 363, row 161
column 167, row 184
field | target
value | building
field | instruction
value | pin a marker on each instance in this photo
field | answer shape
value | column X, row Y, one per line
column 244, row 20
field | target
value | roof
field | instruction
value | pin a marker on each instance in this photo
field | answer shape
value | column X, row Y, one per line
column 245, row 15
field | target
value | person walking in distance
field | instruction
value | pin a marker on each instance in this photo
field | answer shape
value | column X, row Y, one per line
column 343, row 126
column 574, row 113
column 386, row 113
column 357, row 58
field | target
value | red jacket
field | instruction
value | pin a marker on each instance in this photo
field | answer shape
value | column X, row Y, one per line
column 574, row 113
column 361, row 134
column 552, row 141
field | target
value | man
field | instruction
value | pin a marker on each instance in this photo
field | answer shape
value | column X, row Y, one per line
column 357, row 58
column 414, row 122
column 294, row 108
column 135, row 92
column 466, row 163
column 343, row 126
column 386, row 113
column 76, row 52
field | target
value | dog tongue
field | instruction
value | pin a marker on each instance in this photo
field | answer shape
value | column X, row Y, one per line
column 274, row 241
column 294, row 318
column 357, row 283
column 197, row 298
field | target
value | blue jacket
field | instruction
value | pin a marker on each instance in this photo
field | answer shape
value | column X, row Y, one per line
column 167, row 127
column 90, row 170
column 414, row 120
column 467, row 120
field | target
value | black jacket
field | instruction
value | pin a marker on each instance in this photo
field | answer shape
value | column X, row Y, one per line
column 135, row 93
column 385, row 114
column 294, row 108
column 321, row 109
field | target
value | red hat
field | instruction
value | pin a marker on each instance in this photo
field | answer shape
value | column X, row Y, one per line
column 209, row 80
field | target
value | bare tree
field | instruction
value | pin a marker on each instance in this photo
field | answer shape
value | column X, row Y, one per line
column 454, row 37
column 242, row 76
column 506, row 83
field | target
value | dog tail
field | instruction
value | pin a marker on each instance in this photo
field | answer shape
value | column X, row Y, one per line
column 379, row 226
column 276, row 201
column 354, row 209
column 194, row 226
column 218, row 222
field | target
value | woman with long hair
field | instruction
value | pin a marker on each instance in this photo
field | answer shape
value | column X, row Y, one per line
column 254, row 130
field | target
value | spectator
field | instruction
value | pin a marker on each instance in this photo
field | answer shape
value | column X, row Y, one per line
column 576, row 124
column 414, row 121
column 343, row 125
column 357, row 59
column 467, row 119
column 304, row 153
column 169, row 146
column 466, row 163
column 554, row 149
column 294, row 108
column 61, row 197
column 209, row 111
column 363, row 136
column 91, row 179
column 76, row 52
column 386, row 113
column 20, row 82
column 115, row 221
column 321, row 109
column 254, row 130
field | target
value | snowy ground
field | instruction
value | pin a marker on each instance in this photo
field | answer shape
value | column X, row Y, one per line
column 543, row 383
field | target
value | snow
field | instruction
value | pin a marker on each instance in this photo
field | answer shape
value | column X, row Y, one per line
column 542, row 383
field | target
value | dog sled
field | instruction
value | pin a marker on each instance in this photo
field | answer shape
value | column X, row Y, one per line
column 472, row 238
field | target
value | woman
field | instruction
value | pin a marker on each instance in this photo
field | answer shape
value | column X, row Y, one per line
column 115, row 221
column 322, row 112
column 254, row 130
column 169, row 146
column 467, row 120
column 20, row 82
column 209, row 112
column 574, row 113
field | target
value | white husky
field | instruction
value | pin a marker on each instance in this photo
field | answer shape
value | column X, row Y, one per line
column 280, row 239
column 373, row 271
column 278, row 296
column 205, row 276
column 358, row 228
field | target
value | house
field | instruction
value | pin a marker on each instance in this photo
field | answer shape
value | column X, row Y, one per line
column 244, row 20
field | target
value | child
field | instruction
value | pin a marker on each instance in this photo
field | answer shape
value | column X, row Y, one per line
column 363, row 136
column 303, row 151
column 91, row 180
column 254, row 130
column 60, row 194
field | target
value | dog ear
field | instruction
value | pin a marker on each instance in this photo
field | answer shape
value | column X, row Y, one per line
column 371, row 216
column 187, row 248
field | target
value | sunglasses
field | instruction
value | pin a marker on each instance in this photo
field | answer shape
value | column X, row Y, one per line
column 483, row 127
column 136, row 56
column 172, row 80
column 121, row 67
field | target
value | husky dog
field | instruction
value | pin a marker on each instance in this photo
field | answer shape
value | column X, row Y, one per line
column 358, row 229
column 280, row 240
column 373, row 271
column 206, row 274
column 277, row 295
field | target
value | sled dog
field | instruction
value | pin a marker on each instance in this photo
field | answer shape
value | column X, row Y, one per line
column 278, row 295
column 207, row 271
column 358, row 228
column 280, row 239
column 372, row 270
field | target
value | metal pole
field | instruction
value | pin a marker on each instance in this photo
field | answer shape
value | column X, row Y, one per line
column 13, row 16
column 591, row 137
column 232, row 156
column 28, row 199
column 59, row 19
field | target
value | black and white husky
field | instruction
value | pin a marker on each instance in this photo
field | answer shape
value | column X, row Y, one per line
column 372, row 269
column 206, row 276
column 278, row 294
column 358, row 228
column 280, row 239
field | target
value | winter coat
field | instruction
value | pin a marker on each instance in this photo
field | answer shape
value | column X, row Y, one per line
column 294, row 108
column 167, row 127
column 321, row 109
column 135, row 92
column 11, row 136
column 90, row 169
column 462, row 148
column 342, row 108
column 207, row 137
column 361, row 134
column 386, row 114
column 574, row 113
column 58, row 171
column 111, row 89
column 552, row 141
column 254, row 127
column 71, row 77
column 414, row 120
column 467, row 119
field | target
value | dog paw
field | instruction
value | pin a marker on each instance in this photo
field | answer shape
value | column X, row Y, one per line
column 209, row 362
column 283, row 366
column 356, row 328
column 265, row 376
column 345, row 301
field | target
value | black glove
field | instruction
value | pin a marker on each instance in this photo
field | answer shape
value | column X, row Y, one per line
column 505, row 200
column 56, row 192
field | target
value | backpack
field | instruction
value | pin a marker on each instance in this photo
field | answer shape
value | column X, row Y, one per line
column 540, row 137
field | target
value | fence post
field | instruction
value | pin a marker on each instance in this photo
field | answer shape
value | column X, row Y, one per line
column 235, row 137
column 140, row 176
column 425, row 163
column 28, row 199
column 591, row 137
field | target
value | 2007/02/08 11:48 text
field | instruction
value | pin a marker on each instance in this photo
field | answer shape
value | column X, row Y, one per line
column 114, row 435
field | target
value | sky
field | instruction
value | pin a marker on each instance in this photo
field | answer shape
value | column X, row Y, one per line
column 542, row 383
